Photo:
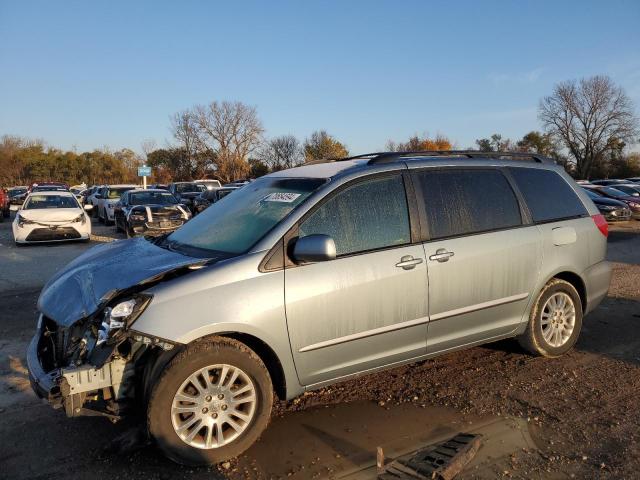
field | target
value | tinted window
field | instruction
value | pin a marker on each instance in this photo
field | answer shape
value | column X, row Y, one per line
column 547, row 194
column 460, row 202
column 366, row 216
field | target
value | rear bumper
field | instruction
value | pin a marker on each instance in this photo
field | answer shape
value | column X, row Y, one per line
column 597, row 279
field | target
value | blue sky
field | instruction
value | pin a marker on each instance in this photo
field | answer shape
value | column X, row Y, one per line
column 88, row 74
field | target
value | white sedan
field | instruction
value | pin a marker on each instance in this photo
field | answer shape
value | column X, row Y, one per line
column 51, row 217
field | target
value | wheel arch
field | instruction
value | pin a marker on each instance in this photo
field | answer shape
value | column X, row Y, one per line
column 577, row 282
column 268, row 357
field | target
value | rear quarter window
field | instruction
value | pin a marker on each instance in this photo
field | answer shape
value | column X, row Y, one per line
column 548, row 196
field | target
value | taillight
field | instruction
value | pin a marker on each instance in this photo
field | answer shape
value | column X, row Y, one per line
column 601, row 223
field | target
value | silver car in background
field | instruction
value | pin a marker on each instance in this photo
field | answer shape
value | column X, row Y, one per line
column 313, row 275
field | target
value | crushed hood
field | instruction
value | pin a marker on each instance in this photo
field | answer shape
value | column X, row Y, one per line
column 96, row 276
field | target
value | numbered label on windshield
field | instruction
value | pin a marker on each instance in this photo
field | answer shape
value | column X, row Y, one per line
column 283, row 197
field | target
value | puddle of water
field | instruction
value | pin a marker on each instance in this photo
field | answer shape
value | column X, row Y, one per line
column 340, row 441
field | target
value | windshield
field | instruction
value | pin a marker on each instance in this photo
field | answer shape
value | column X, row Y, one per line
column 189, row 187
column 235, row 223
column 152, row 198
column 117, row 192
column 35, row 202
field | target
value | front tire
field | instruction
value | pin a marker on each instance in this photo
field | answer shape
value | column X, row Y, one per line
column 555, row 320
column 211, row 403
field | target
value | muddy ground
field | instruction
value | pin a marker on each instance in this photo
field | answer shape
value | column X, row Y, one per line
column 581, row 411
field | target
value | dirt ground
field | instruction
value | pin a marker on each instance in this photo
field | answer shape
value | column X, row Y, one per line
column 582, row 411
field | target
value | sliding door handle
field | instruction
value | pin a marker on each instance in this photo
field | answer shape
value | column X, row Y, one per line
column 441, row 255
column 408, row 262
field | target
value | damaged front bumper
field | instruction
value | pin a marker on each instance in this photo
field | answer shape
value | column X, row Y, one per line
column 101, row 384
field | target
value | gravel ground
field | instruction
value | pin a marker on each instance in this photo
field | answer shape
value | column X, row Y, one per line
column 582, row 410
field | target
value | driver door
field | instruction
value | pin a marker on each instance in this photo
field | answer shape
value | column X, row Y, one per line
column 367, row 308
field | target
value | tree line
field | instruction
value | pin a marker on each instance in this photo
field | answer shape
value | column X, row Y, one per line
column 587, row 126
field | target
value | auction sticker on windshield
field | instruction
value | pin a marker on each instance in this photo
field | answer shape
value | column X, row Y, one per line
column 286, row 197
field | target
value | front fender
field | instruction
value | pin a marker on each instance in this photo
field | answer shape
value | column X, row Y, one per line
column 232, row 296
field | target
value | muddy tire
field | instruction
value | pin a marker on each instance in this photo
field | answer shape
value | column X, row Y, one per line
column 555, row 320
column 211, row 403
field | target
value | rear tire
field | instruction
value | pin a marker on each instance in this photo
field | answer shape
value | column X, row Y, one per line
column 555, row 320
column 209, row 419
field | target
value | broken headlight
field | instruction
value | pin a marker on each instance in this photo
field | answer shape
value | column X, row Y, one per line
column 121, row 316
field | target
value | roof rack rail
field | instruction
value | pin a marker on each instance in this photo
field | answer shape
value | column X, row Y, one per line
column 389, row 157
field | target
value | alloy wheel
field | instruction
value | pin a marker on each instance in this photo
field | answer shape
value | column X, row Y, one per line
column 558, row 319
column 213, row 406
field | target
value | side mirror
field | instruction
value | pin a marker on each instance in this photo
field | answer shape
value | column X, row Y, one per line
column 88, row 207
column 314, row 248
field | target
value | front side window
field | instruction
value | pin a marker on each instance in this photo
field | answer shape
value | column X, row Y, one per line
column 365, row 216
column 229, row 228
column 463, row 202
column 548, row 196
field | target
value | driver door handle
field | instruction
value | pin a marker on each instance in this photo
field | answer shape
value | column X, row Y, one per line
column 441, row 255
column 407, row 262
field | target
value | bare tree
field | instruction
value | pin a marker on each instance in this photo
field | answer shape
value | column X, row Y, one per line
column 322, row 146
column 282, row 152
column 185, row 130
column 589, row 117
column 229, row 131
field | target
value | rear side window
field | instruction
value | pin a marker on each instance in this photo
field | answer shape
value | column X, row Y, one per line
column 366, row 216
column 463, row 202
column 547, row 194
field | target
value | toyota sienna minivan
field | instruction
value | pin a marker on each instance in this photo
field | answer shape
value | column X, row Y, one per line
column 314, row 275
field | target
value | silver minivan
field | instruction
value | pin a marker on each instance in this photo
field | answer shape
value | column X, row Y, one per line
column 311, row 276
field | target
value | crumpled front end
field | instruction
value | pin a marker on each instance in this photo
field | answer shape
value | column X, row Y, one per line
column 95, row 365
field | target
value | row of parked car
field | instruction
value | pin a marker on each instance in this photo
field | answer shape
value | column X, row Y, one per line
column 154, row 210
column 53, row 211
column 617, row 200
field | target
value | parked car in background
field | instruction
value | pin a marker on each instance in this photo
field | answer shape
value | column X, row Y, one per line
column 238, row 183
column 48, row 187
column 160, row 186
column 312, row 276
column 91, row 198
column 44, row 186
column 51, row 216
column 609, row 182
column 5, row 206
column 79, row 194
column 628, row 188
column 107, row 197
column 149, row 212
column 613, row 210
column 17, row 195
column 210, row 184
column 632, row 202
column 206, row 198
column 185, row 192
